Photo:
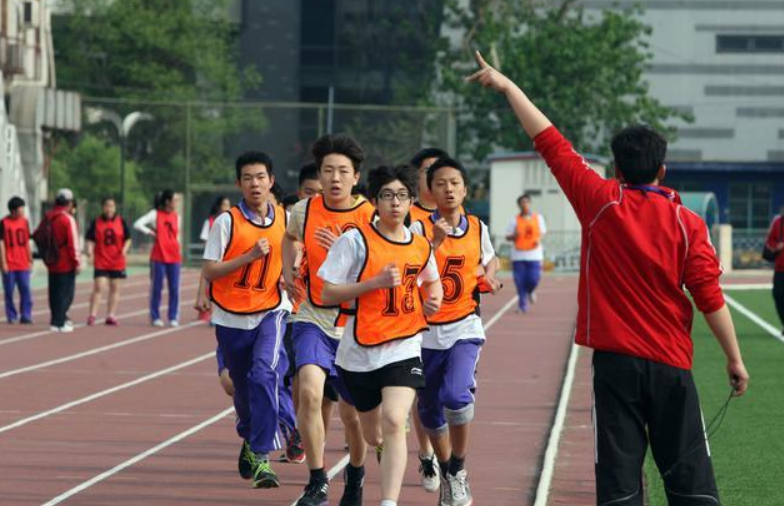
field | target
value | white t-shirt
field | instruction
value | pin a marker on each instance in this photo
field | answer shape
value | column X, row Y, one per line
column 443, row 337
column 531, row 255
column 217, row 242
column 205, row 231
column 343, row 264
column 147, row 223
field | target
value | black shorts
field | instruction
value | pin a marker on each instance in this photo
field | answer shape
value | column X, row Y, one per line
column 105, row 273
column 365, row 387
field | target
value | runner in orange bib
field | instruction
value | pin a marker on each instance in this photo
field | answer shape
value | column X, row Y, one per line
column 378, row 268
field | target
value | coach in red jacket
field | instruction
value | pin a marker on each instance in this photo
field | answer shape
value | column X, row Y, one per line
column 640, row 248
column 62, row 275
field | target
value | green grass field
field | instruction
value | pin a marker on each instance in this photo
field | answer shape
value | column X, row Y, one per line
column 748, row 450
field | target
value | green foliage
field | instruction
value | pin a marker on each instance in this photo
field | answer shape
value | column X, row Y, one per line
column 585, row 74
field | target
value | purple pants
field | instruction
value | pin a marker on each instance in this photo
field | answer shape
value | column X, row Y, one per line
column 253, row 357
column 450, row 383
column 11, row 280
column 527, row 275
column 312, row 346
column 171, row 272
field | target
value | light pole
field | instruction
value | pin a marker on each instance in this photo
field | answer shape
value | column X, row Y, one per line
column 124, row 126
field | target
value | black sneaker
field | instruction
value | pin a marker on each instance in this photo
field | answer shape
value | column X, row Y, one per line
column 352, row 493
column 316, row 494
column 25, row 321
column 245, row 461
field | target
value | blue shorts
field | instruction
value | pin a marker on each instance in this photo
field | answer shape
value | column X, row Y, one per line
column 312, row 346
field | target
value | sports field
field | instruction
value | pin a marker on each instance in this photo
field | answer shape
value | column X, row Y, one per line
column 748, row 449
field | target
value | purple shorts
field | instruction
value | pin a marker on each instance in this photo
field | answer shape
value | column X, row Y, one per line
column 312, row 346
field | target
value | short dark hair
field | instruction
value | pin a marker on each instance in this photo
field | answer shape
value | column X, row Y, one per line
column 289, row 200
column 61, row 201
column 309, row 171
column 526, row 196
column 105, row 200
column 639, row 153
column 446, row 162
column 163, row 197
column 15, row 203
column 338, row 144
column 252, row 158
column 360, row 189
column 381, row 176
column 424, row 154
column 215, row 209
column 277, row 192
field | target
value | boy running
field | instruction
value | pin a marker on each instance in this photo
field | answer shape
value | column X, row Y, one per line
column 640, row 248
column 108, row 241
column 317, row 223
column 16, row 262
column 525, row 231
column 425, row 204
column 243, row 267
column 379, row 269
column 452, row 346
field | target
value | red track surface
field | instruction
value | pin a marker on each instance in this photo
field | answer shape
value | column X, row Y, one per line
column 520, row 376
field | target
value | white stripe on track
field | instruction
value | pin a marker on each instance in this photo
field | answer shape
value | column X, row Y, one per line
column 770, row 329
column 95, row 351
column 138, row 458
column 342, row 463
column 104, row 393
column 551, row 452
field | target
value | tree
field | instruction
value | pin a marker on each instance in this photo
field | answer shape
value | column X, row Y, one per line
column 586, row 74
column 155, row 57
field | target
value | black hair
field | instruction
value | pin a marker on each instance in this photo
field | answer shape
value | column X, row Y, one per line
column 339, row 144
column 252, row 158
column 15, row 203
column 360, row 189
column 215, row 209
column 105, row 200
column 446, row 162
column 308, row 171
column 289, row 200
column 639, row 153
column 381, row 176
column 523, row 196
column 162, row 198
column 278, row 192
column 424, row 154
column 61, row 201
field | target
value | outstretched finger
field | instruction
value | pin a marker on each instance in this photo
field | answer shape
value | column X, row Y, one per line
column 476, row 76
column 480, row 61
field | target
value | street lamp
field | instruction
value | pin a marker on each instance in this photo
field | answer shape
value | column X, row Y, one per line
column 124, row 126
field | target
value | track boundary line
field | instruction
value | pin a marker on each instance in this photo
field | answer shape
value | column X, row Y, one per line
column 138, row 458
column 770, row 329
column 42, row 333
column 554, row 440
column 492, row 321
column 101, row 349
column 104, row 393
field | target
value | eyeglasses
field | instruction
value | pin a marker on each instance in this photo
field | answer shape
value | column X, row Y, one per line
column 389, row 196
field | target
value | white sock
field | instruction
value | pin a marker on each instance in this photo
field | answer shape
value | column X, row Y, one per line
column 387, row 502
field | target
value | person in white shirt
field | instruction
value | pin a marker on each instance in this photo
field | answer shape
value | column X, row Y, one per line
column 525, row 231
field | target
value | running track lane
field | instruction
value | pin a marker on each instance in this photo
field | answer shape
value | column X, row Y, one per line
column 520, row 374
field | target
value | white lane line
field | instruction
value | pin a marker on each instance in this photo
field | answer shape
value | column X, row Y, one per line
column 770, row 329
column 138, row 458
column 551, row 452
column 104, row 393
column 95, row 351
column 40, row 333
column 337, row 468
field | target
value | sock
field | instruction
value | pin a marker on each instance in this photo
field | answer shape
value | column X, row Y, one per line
column 444, row 467
column 354, row 474
column 456, row 465
column 387, row 502
column 264, row 457
column 318, row 475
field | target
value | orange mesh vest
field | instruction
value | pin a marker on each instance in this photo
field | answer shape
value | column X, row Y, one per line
column 458, row 259
column 528, row 233
column 318, row 215
column 419, row 213
column 256, row 286
column 395, row 313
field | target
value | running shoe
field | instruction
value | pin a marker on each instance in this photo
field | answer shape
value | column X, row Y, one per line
column 460, row 489
column 295, row 452
column 112, row 321
column 445, row 492
column 90, row 321
column 352, row 493
column 263, row 475
column 174, row 323
column 428, row 473
column 316, row 494
column 157, row 323
column 245, row 461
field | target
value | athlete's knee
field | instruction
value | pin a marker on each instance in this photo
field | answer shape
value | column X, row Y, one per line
column 393, row 422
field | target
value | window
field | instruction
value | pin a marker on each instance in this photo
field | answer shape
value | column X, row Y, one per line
column 27, row 17
column 750, row 43
column 750, row 205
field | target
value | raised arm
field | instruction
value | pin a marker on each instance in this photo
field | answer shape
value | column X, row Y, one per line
column 530, row 117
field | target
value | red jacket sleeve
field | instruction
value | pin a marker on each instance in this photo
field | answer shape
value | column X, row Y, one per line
column 72, row 238
column 774, row 233
column 586, row 190
column 702, row 269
